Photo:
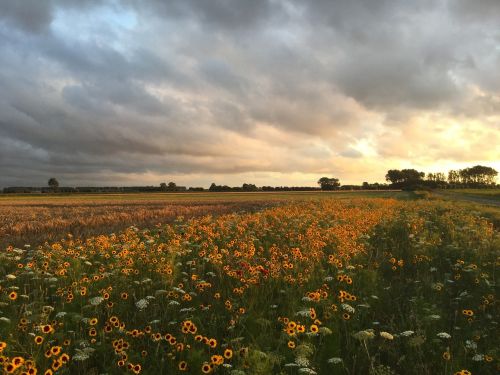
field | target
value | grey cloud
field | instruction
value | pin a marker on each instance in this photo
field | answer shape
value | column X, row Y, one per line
column 200, row 86
column 220, row 15
column 29, row 15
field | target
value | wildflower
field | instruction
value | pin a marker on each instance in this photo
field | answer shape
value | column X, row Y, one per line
column 47, row 328
column 206, row 368
column 228, row 353
column 443, row 335
column 182, row 366
column 386, row 335
column 335, row 360
column 55, row 350
column 13, row 295
column 291, row 344
column 212, row 343
column 142, row 304
column 446, row 356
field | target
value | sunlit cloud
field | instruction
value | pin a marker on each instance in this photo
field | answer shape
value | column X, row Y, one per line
column 266, row 92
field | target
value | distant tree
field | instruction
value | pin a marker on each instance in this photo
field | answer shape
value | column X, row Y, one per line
column 172, row 186
column 163, row 186
column 249, row 187
column 481, row 175
column 53, row 183
column 327, row 183
column 453, row 177
column 394, row 176
column 405, row 178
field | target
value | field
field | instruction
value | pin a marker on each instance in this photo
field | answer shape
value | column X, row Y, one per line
column 278, row 283
column 490, row 194
column 30, row 219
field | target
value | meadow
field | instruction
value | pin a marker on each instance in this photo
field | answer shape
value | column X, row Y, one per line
column 306, row 284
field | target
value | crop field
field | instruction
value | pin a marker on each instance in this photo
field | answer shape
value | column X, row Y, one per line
column 33, row 219
column 276, row 284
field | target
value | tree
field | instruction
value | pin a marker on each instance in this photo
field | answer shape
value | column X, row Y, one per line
column 163, row 186
column 249, row 187
column 453, row 177
column 394, row 176
column 53, row 183
column 172, row 186
column 405, row 178
column 327, row 183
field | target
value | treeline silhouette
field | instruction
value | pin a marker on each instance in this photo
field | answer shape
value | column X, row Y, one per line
column 476, row 177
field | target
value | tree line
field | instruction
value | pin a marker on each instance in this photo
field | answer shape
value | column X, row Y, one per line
column 408, row 179
column 474, row 177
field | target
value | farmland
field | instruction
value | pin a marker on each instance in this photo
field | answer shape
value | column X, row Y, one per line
column 284, row 283
column 29, row 219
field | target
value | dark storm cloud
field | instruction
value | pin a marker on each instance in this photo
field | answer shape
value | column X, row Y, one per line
column 93, row 88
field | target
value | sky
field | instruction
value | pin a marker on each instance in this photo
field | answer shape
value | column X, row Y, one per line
column 271, row 92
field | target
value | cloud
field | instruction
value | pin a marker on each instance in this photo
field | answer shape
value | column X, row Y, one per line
column 283, row 90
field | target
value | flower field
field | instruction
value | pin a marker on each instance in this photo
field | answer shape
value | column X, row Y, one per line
column 351, row 286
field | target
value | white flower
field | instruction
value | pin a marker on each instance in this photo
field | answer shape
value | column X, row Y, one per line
column 444, row 335
column 348, row 308
column 142, row 304
column 325, row 331
column 96, row 301
column 302, row 361
column 10, row 277
column 304, row 313
column 306, row 370
column 364, row 335
column 407, row 333
column 386, row 335
column 335, row 360
column 469, row 344
column 478, row 358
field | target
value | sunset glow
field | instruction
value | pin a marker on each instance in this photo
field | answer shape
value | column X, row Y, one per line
column 269, row 92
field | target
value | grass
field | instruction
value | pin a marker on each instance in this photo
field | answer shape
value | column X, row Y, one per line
column 491, row 194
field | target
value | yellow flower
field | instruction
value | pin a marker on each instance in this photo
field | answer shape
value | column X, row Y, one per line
column 182, row 366
column 228, row 353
